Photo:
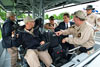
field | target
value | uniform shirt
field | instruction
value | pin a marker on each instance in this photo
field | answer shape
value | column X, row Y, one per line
column 82, row 35
column 50, row 25
column 94, row 21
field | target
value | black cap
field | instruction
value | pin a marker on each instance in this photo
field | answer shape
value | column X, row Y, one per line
column 51, row 18
column 89, row 7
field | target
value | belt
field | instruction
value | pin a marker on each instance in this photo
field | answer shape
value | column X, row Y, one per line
column 84, row 49
column 89, row 48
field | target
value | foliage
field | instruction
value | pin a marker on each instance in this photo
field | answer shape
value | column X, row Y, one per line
column 59, row 17
column 46, row 16
column 21, row 16
column 55, row 16
column 0, row 34
column 2, row 14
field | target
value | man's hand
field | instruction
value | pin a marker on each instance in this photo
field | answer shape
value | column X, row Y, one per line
column 58, row 33
column 63, row 41
column 42, row 42
column 96, row 30
column 13, row 34
column 51, row 27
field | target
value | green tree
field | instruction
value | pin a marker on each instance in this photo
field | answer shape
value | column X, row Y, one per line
column 55, row 16
column 21, row 16
column 60, row 16
column 72, row 15
column 2, row 14
column 46, row 16
column 3, row 17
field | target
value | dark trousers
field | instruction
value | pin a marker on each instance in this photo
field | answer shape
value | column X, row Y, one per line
column 66, row 46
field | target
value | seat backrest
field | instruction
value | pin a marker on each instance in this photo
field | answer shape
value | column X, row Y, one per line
column 52, row 38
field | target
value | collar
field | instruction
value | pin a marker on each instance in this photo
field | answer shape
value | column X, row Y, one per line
column 68, row 24
column 82, row 26
column 10, row 20
column 31, row 31
column 89, row 14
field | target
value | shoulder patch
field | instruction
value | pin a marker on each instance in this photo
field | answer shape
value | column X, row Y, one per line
column 98, row 19
column 79, row 35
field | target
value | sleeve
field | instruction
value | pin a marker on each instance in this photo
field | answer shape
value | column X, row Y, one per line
column 68, row 31
column 6, row 34
column 98, row 22
column 7, row 29
column 58, row 28
column 56, row 24
column 42, row 36
column 81, row 40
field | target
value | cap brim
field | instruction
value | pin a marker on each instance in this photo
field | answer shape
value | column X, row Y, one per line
column 89, row 8
column 51, row 19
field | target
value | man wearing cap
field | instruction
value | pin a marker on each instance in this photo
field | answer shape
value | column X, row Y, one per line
column 52, row 25
column 30, row 39
column 6, row 36
column 92, row 19
column 82, row 33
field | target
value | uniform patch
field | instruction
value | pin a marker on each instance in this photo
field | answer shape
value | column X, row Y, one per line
column 79, row 35
column 98, row 19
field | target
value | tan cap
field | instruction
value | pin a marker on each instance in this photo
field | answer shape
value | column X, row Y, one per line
column 80, row 14
column 28, row 19
column 10, row 14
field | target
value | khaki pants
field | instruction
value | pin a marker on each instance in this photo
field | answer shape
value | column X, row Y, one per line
column 33, row 56
column 14, row 55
